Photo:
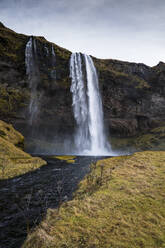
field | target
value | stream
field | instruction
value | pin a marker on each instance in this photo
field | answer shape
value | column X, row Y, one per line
column 24, row 200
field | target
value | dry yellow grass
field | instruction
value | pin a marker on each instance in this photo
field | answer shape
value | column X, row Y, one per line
column 8, row 133
column 120, row 204
column 154, row 139
column 13, row 160
column 66, row 158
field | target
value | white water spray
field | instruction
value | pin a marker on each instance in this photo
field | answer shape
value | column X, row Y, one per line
column 90, row 137
column 29, row 61
column 32, row 73
column 53, row 55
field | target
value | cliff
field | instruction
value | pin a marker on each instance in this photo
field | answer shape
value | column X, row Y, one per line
column 133, row 94
column 14, row 88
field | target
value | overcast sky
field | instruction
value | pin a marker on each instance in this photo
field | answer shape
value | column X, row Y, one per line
column 129, row 30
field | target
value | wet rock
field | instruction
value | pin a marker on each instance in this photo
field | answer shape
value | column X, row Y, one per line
column 133, row 94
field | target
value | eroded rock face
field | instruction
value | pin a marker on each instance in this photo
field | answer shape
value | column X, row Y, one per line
column 133, row 94
column 55, row 101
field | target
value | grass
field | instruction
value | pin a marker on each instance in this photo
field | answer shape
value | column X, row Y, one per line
column 68, row 159
column 13, row 160
column 10, row 134
column 154, row 139
column 121, row 72
column 120, row 204
column 12, row 99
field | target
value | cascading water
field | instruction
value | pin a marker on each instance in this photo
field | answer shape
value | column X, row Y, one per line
column 33, row 77
column 29, row 61
column 79, row 103
column 32, row 71
column 90, row 137
column 53, row 55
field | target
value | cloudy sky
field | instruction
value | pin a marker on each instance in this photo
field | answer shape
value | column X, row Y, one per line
column 129, row 30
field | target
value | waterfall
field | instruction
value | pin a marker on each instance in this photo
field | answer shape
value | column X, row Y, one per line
column 46, row 50
column 33, row 77
column 90, row 136
column 29, row 60
column 53, row 55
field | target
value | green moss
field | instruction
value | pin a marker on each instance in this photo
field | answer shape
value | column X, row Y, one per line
column 12, row 99
column 12, row 45
column 159, row 130
column 154, row 139
column 142, row 84
column 119, row 204
column 118, row 143
column 120, row 72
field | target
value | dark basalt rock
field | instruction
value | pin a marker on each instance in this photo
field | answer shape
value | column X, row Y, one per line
column 2, row 25
column 133, row 94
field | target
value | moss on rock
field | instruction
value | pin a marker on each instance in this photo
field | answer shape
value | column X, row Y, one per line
column 153, row 140
column 12, row 100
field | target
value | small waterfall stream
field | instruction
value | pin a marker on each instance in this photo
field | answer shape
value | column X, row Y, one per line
column 53, row 55
column 90, row 136
column 33, row 77
column 32, row 71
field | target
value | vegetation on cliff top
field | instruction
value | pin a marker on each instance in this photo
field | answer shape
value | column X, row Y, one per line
column 12, row 45
column 119, row 204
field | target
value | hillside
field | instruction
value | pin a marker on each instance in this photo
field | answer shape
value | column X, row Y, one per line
column 120, row 203
column 133, row 94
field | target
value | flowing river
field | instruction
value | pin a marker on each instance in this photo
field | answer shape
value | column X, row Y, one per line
column 24, row 200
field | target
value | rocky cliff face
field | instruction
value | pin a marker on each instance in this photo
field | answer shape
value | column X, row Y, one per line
column 55, row 103
column 133, row 94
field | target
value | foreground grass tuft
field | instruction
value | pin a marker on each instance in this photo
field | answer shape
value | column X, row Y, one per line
column 120, row 204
